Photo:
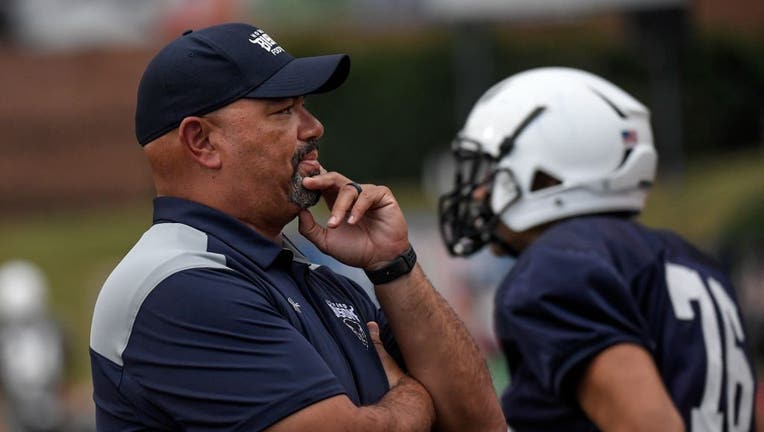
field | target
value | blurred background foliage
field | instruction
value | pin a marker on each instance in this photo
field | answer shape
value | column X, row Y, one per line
column 401, row 101
column 75, row 190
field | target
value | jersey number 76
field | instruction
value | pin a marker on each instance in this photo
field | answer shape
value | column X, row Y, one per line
column 685, row 286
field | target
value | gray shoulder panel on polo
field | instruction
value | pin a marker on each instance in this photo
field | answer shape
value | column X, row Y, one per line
column 162, row 251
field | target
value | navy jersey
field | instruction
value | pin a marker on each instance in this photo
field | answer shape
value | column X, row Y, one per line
column 591, row 282
column 205, row 325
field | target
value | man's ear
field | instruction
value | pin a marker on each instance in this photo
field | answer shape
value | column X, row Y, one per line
column 194, row 134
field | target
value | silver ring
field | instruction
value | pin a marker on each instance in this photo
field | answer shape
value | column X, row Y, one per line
column 357, row 187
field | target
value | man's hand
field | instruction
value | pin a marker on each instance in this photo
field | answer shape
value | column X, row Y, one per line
column 392, row 370
column 365, row 229
column 368, row 230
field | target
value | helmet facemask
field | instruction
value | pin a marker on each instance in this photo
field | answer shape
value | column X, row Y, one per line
column 467, row 219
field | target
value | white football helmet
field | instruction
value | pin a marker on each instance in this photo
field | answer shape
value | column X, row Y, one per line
column 544, row 145
column 23, row 291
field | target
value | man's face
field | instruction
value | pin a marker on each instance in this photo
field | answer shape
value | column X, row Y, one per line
column 269, row 146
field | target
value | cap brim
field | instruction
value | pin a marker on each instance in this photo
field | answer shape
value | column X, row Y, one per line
column 306, row 75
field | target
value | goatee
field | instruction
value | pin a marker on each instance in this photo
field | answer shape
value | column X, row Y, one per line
column 299, row 195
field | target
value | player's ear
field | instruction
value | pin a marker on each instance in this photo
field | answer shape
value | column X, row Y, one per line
column 194, row 134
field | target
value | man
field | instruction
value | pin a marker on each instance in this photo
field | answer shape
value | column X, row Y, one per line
column 605, row 324
column 213, row 322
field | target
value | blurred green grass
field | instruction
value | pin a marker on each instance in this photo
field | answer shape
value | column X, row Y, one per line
column 78, row 249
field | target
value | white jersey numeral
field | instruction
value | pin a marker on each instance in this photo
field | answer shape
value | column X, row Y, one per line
column 685, row 286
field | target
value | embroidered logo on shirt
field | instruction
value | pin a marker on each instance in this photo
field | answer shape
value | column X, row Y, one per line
column 295, row 305
column 350, row 319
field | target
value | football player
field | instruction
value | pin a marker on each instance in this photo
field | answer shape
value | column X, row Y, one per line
column 606, row 324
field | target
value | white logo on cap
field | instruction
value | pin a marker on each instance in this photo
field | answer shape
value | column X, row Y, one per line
column 267, row 43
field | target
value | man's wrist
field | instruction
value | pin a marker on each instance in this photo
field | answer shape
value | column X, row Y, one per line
column 400, row 266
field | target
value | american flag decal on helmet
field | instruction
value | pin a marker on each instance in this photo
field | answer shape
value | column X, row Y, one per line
column 629, row 137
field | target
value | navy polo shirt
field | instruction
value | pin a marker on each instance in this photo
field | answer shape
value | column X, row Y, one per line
column 206, row 325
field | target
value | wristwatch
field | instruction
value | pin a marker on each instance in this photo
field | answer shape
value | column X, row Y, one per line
column 401, row 265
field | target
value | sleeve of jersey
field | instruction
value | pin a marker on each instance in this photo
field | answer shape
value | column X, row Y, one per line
column 208, row 351
column 562, row 307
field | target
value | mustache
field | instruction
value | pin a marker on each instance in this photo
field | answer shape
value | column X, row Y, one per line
column 304, row 150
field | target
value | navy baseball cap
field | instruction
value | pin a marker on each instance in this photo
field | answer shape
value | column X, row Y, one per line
column 206, row 69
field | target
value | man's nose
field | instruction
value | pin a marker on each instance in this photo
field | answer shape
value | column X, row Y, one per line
column 310, row 127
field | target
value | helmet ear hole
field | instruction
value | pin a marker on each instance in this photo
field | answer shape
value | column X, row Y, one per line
column 543, row 180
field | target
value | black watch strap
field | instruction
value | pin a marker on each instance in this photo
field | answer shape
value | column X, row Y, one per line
column 401, row 265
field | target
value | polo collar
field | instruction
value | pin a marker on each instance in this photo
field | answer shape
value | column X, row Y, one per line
column 224, row 227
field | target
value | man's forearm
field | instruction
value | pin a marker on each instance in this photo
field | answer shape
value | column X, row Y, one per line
column 406, row 407
column 441, row 354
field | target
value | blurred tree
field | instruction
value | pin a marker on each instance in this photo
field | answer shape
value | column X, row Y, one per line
column 661, row 36
column 4, row 22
